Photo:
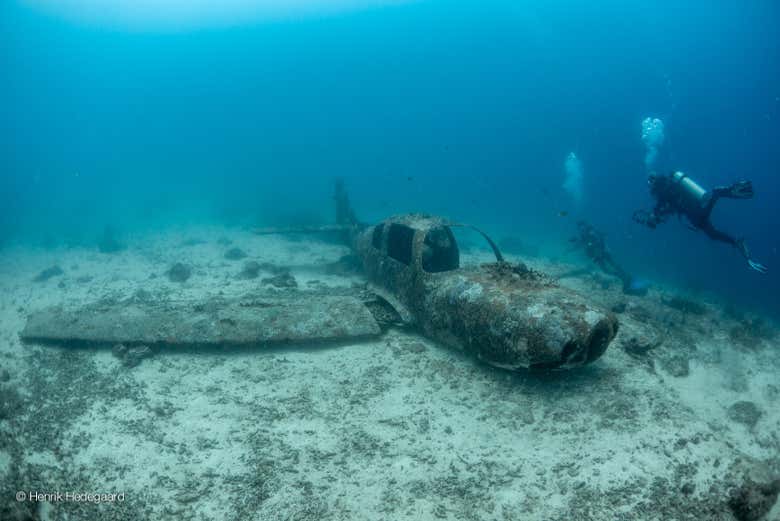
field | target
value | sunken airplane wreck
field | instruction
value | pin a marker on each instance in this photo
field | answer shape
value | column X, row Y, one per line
column 506, row 315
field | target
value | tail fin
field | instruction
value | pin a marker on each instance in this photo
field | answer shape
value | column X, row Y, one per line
column 345, row 216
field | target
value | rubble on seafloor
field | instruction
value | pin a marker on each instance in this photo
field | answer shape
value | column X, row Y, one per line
column 677, row 420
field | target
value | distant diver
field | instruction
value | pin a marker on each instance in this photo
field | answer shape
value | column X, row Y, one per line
column 595, row 247
column 676, row 193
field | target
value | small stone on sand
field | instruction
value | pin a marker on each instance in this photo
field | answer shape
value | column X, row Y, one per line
column 179, row 272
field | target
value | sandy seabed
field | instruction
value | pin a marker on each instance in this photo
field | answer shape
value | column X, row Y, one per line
column 677, row 419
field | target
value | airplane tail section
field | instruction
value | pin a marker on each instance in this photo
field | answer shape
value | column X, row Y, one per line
column 345, row 215
column 346, row 222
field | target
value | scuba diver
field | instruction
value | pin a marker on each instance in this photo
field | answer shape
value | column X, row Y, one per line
column 678, row 193
column 595, row 247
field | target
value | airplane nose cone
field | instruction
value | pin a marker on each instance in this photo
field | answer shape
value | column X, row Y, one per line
column 577, row 353
column 518, row 323
column 584, row 344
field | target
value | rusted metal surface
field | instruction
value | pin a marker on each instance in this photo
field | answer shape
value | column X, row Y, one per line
column 250, row 321
column 505, row 315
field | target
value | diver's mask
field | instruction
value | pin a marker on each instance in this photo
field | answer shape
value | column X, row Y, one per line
column 652, row 178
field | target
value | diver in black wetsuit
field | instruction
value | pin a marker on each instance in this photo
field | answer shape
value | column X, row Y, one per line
column 677, row 193
column 595, row 247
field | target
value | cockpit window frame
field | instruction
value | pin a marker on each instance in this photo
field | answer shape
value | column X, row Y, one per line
column 400, row 243
column 442, row 261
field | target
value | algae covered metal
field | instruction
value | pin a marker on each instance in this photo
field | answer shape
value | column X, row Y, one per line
column 506, row 315
column 251, row 321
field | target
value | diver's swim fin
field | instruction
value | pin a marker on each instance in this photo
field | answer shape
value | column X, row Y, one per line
column 743, row 249
column 757, row 266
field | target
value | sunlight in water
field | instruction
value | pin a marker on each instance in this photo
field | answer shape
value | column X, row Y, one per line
column 187, row 14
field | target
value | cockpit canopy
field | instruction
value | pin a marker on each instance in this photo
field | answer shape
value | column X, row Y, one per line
column 438, row 251
column 409, row 237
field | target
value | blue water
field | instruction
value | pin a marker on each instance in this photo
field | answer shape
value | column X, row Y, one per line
column 468, row 109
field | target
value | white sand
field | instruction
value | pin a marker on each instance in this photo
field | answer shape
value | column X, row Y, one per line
column 398, row 428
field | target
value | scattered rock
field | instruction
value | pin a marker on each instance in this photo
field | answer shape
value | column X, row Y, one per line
column 235, row 254
column 179, row 272
column 744, row 412
column 131, row 356
column 224, row 241
column 4, row 375
column 752, row 501
column 135, row 354
column 251, row 270
column 142, row 295
column 54, row 271
column 284, row 280
column 187, row 497
column 676, row 365
column 346, row 265
column 416, row 347
column 526, row 415
column 640, row 345
column 119, row 350
column 84, row 279
column 619, row 307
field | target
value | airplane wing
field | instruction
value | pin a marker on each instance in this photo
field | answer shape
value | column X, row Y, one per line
column 251, row 321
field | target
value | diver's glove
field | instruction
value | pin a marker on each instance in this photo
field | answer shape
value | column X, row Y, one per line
column 741, row 190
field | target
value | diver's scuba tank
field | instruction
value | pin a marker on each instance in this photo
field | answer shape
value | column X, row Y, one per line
column 690, row 188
